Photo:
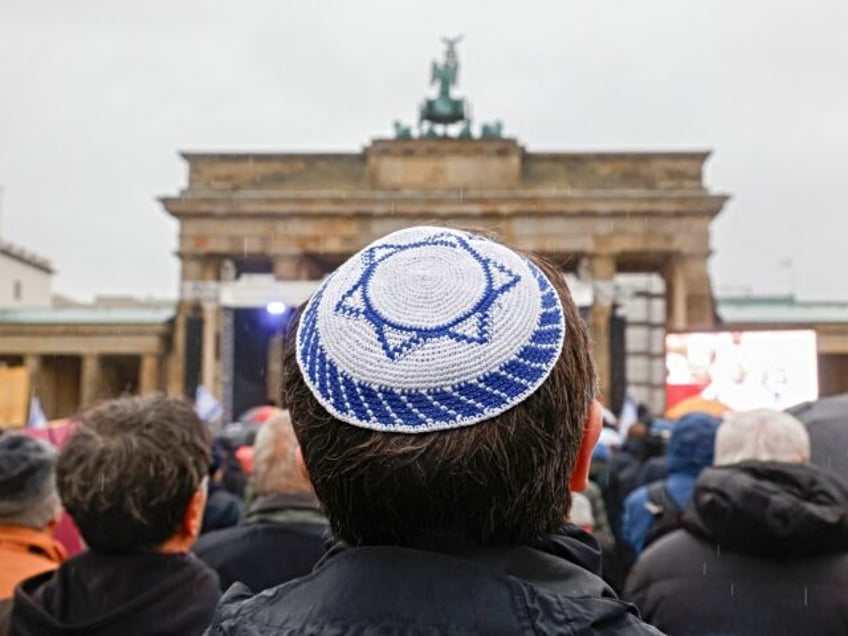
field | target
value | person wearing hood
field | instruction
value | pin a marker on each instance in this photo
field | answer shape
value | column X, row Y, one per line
column 764, row 544
column 690, row 450
column 133, row 478
column 442, row 392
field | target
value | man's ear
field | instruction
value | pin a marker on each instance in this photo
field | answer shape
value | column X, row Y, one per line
column 591, row 432
column 193, row 516
column 301, row 464
column 189, row 528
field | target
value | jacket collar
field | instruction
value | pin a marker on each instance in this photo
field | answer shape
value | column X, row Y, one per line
column 567, row 561
column 30, row 539
column 285, row 508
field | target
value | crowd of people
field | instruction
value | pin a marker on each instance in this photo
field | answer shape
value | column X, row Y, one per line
column 438, row 470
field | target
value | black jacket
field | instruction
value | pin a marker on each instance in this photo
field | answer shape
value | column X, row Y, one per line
column 223, row 509
column 764, row 551
column 545, row 589
column 135, row 594
column 281, row 538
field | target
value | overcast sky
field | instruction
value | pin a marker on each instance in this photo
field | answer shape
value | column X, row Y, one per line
column 98, row 97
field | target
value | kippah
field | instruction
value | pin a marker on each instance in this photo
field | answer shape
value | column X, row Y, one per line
column 429, row 329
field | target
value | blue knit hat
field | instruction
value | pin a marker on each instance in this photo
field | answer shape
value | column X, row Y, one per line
column 429, row 329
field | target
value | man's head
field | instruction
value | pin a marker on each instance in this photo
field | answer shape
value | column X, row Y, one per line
column 442, row 390
column 761, row 435
column 132, row 475
column 27, row 482
column 275, row 469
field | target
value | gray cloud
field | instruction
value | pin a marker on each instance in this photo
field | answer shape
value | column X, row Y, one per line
column 98, row 97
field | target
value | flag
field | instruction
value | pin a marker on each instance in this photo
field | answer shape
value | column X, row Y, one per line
column 205, row 404
column 37, row 418
column 629, row 415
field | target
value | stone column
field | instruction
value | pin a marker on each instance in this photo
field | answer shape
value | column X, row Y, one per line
column 675, row 294
column 191, row 270
column 148, row 375
column 689, row 297
column 209, row 376
column 197, row 271
column 209, row 362
column 603, row 286
column 176, row 358
column 32, row 362
column 274, row 372
column 90, row 379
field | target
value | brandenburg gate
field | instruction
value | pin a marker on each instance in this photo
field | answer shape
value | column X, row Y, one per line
column 296, row 216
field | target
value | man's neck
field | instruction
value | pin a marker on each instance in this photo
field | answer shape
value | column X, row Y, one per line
column 175, row 545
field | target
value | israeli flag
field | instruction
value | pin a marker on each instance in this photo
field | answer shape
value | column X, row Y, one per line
column 37, row 418
column 206, row 405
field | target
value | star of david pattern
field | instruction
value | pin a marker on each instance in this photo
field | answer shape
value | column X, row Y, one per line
column 381, row 405
column 397, row 339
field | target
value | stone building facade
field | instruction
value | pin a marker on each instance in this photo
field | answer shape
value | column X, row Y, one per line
column 297, row 216
column 78, row 355
column 258, row 231
column 24, row 278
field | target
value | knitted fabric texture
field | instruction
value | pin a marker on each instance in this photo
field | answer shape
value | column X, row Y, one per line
column 428, row 329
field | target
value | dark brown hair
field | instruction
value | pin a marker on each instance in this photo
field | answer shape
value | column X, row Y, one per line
column 500, row 482
column 128, row 473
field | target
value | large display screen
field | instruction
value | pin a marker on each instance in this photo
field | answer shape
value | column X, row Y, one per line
column 742, row 370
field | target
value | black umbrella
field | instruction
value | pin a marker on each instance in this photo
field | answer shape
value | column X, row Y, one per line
column 827, row 423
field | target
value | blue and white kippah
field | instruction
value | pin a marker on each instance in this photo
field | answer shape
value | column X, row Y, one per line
column 428, row 329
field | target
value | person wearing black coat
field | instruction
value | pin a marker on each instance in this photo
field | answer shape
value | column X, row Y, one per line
column 128, row 594
column 283, row 534
column 764, row 544
column 446, row 497
column 621, row 474
column 550, row 587
column 280, row 538
column 223, row 507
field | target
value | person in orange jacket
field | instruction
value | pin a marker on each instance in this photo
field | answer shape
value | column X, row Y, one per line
column 29, row 510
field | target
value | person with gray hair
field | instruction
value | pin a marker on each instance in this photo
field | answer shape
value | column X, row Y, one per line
column 764, row 544
column 761, row 435
column 29, row 510
column 283, row 534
